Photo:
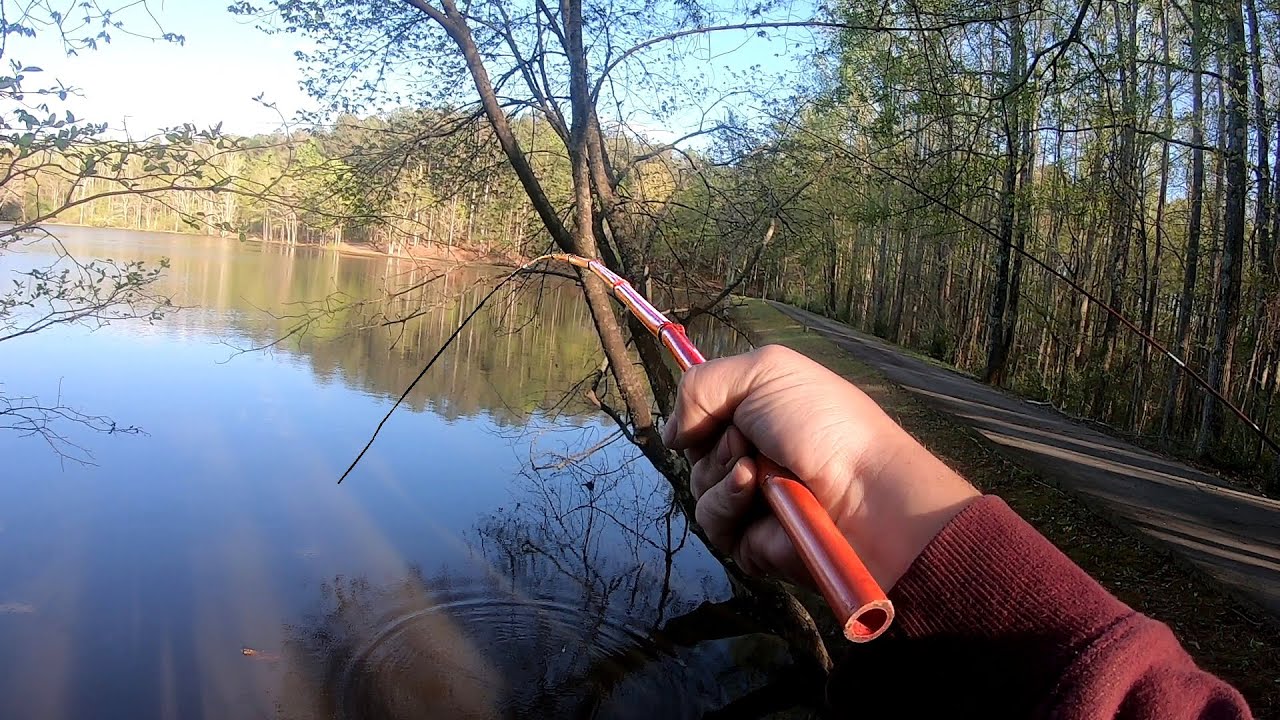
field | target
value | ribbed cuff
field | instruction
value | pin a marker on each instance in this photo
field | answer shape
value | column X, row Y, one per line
column 989, row 576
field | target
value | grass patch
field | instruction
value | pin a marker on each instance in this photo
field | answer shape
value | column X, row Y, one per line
column 1226, row 637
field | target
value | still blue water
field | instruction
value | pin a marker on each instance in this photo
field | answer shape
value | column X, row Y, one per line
column 210, row 567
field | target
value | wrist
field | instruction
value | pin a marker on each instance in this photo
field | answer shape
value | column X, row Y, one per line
column 908, row 497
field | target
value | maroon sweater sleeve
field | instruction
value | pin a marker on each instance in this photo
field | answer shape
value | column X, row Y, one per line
column 994, row 621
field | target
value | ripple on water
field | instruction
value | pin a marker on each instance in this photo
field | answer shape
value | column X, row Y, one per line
column 493, row 656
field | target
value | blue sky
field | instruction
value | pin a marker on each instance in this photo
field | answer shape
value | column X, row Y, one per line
column 143, row 85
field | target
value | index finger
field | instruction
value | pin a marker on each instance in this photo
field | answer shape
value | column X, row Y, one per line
column 708, row 395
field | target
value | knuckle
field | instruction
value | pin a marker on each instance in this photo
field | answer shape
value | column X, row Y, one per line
column 685, row 390
column 698, row 478
column 691, row 378
column 702, row 514
column 775, row 355
column 711, row 505
column 707, row 515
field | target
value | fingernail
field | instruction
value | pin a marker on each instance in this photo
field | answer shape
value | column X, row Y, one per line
column 739, row 478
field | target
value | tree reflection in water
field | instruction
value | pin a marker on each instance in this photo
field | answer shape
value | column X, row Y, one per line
column 583, row 594
column 586, row 543
column 580, row 603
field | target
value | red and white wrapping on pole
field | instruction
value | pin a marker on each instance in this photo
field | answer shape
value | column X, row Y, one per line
column 857, row 600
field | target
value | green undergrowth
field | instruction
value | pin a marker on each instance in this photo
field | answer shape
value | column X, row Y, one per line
column 1229, row 638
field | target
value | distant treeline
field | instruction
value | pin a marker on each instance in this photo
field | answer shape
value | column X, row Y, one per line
column 398, row 183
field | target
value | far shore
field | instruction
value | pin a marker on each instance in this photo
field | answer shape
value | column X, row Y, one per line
column 424, row 251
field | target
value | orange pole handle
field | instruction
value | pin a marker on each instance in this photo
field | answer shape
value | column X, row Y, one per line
column 855, row 597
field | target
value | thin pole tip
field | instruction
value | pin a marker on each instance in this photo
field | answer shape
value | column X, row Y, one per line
column 869, row 621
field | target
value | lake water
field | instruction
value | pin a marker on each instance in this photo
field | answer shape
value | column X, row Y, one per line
column 212, row 568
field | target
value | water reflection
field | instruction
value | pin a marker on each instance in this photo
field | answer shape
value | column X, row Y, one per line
column 516, row 359
column 132, row 588
column 585, row 612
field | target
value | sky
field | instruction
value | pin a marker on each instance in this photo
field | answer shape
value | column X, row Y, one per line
column 139, row 86
column 143, row 85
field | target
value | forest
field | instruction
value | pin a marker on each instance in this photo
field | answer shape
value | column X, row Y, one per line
column 1071, row 200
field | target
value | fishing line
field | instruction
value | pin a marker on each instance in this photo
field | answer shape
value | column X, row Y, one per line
column 445, row 346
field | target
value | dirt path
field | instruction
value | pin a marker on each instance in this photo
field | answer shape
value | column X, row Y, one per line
column 1233, row 536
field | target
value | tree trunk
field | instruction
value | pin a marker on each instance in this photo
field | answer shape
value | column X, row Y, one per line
column 1140, row 394
column 1262, row 168
column 833, row 259
column 1124, row 201
column 881, row 277
column 1195, row 198
column 1264, row 336
column 894, row 327
column 997, row 322
column 581, row 240
column 1229, row 275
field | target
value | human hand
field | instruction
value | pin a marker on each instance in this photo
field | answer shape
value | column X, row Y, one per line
column 885, row 492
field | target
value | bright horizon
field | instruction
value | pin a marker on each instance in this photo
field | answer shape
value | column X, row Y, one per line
column 143, row 85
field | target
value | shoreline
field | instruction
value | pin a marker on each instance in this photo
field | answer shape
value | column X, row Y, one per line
column 427, row 252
